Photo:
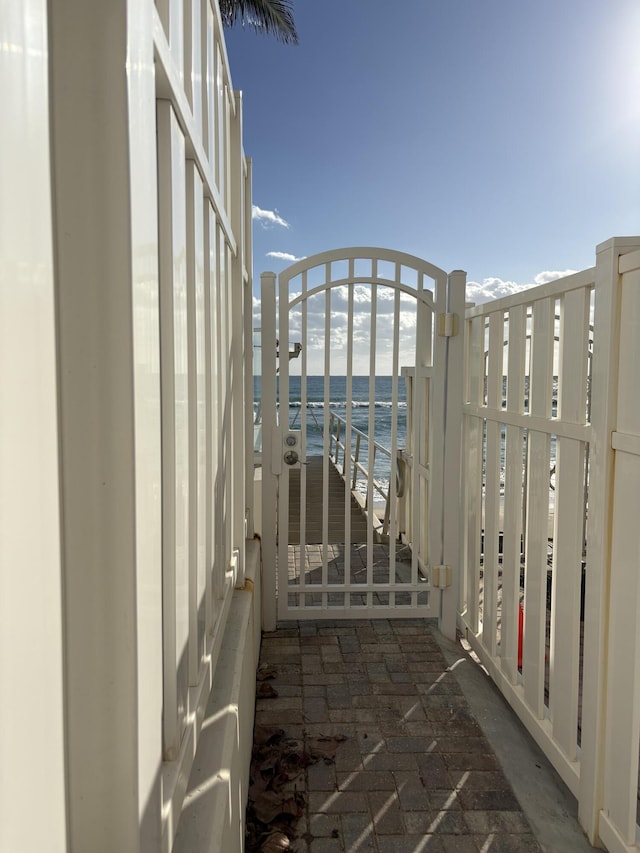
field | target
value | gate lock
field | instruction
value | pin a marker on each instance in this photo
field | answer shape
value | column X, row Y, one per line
column 291, row 443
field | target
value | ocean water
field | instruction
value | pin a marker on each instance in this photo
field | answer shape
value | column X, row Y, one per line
column 360, row 406
column 359, row 403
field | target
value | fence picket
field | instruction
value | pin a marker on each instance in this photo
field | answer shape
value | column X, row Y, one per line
column 492, row 485
column 513, row 496
column 537, row 520
column 568, row 523
column 473, row 460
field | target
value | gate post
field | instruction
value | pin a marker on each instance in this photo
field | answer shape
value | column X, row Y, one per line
column 445, row 460
column 452, row 497
column 269, row 479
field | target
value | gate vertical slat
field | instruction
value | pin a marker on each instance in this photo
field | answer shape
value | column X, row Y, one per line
column 372, row 421
column 347, row 438
column 269, row 432
column 513, row 495
column 420, row 450
column 283, row 415
column 421, row 443
column 392, row 499
column 325, row 434
column 568, row 523
column 304, row 398
column 539, row 444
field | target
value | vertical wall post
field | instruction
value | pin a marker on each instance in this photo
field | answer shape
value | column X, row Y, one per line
column 269, row 420
column 239, row 457
column 248, row 355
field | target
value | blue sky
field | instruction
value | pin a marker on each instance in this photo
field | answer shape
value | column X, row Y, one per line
column 497, row 136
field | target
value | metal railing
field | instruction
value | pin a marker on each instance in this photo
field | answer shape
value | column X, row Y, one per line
column 354, row 466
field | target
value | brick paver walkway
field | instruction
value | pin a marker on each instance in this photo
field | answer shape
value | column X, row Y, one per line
column 415, row 772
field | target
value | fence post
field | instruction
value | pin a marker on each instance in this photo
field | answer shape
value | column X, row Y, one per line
column 269, row 478
column 604, row 396
column 622, row 710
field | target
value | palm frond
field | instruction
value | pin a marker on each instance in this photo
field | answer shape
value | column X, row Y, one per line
column 273, row 17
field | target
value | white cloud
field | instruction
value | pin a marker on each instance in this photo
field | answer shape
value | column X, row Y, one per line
column 551, row 275
column 489, row 289
column 492, row 288
column 285, row 256
column 267, row 218
column 496, row 288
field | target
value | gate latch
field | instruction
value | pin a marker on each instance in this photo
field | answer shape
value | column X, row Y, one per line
column 441, row 577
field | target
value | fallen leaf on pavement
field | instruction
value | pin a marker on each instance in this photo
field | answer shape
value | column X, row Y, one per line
column 266, row 691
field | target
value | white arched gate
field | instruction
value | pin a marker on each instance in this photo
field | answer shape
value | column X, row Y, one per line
column 360, row 403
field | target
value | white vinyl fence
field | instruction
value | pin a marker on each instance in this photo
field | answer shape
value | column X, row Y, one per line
column 549, row 592
column 204, row 209
column 122, row 397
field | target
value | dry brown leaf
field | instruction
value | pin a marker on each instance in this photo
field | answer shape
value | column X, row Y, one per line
column 266, row 670
column 269, row 805
column 267, row 734
column 325, row 746
column 275, row 843
column 266, row 691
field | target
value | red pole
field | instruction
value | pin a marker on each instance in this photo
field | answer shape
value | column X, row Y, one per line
column 520, row 631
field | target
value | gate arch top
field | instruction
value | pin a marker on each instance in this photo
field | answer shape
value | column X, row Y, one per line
column 373, row 255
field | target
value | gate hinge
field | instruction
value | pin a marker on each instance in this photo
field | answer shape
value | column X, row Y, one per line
column 441, row 577
column 447, row 325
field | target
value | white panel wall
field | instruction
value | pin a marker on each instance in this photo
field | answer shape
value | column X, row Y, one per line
column 31, row 711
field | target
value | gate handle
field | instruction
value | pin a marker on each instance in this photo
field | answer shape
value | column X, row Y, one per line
column 291, row 457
